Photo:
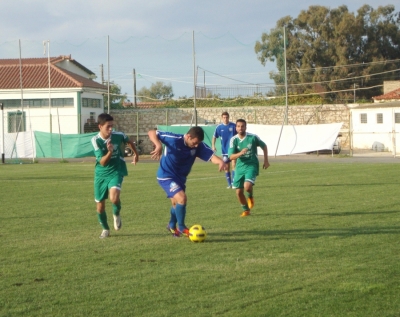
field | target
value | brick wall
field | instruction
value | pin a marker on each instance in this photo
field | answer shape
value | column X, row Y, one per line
column 136, row 122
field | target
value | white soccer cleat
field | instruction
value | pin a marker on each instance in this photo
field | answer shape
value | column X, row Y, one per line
column 117, row 222
column 105, row 234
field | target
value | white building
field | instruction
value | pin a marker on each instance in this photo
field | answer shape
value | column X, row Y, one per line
column 377, row 126
column 27, row 85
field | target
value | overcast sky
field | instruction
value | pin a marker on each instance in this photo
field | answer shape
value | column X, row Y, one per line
column 154, row 37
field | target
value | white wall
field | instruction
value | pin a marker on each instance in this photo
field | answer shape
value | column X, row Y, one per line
column 63, row 120
column 366, row 134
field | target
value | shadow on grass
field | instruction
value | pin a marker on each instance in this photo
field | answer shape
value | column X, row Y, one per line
column 341, row 214
column 307, row 233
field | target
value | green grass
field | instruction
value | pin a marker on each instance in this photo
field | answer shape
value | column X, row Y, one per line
column 322, row 240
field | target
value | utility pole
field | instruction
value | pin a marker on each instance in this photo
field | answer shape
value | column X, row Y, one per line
column 102, row 73
column 134, row 88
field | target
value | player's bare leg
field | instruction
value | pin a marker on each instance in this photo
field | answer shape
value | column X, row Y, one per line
column 243, row 202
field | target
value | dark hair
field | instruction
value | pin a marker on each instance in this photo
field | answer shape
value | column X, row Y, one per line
column 196, row 132
column 242, row 120
column 225, row 114
column 103, row 118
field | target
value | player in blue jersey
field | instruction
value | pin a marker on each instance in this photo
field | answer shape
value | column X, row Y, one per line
column 181, row 150
column 110, row 170
column 225, row 131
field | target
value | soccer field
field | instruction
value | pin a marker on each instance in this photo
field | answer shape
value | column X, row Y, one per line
column 322, row 240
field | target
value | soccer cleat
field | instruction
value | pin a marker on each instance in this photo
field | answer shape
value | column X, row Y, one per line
column 233, row 187
column 117, row 222
column 184, row 232
column 229, row 187
column 250, row 202
column 245, row 213
column 105, row 234
column 171, row 230
column 175, row 232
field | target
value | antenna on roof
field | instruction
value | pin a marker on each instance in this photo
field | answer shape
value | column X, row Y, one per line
column 44, row 47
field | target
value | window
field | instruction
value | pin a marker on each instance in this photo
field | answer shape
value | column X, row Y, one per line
column 363, row 118
column 91, row 103
column 16, row 122
column 397, row 117
column 37, row 103
column 379, row 118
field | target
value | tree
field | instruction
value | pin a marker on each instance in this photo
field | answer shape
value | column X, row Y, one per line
column 116, row 97
column 330, row 50
column 157, row 91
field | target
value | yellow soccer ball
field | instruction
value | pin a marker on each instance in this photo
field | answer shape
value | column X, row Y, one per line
column 197, row 233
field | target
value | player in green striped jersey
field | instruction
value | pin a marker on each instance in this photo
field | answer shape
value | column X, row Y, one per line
column 110, row 170
column 243, row 149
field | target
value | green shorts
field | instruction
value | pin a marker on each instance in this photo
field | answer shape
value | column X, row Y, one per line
column 245, row 175
column 103, row 184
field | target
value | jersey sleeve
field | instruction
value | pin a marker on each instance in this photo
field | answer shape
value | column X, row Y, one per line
column 216, row 134
column 260, row 142
column 231, row 149
column 204, row 152
column 167, row 138
column 126, row 138
column 98, row 152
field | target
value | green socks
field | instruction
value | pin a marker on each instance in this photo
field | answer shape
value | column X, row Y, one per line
column 116, row 208
column 103, row 220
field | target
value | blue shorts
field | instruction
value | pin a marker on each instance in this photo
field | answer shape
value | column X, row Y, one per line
column 171, row 187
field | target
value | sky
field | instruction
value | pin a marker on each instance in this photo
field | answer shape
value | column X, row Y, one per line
column 172, row 41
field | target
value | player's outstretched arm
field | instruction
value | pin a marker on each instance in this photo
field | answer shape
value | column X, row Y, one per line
column 213, row 144
column 266, row 163
column 135, row 158
column 218, row 161
column 156, row 153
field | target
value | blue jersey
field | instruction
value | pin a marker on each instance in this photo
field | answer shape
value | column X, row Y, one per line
column 225, row 132
column 177, row 159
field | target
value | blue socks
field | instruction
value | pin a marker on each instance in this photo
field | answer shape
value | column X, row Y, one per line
column 228, row 178
column 180, row 213
column 172, row 220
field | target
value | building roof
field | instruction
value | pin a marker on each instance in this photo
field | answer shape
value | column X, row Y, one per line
column 392, row 95
column 376, row 105
column 35, row 74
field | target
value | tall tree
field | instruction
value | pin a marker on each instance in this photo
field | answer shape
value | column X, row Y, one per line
column 333, row 50
column 157, row 91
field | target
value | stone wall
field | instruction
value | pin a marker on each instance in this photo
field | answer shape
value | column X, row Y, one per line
column 136, row 122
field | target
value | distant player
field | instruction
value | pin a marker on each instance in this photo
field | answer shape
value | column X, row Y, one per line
column 225, row 130
column 181, row 150
column 110, row 170
column 243, row 149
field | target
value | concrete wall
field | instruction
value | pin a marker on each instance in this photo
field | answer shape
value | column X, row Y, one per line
column 390, row 85
column 136, row 122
